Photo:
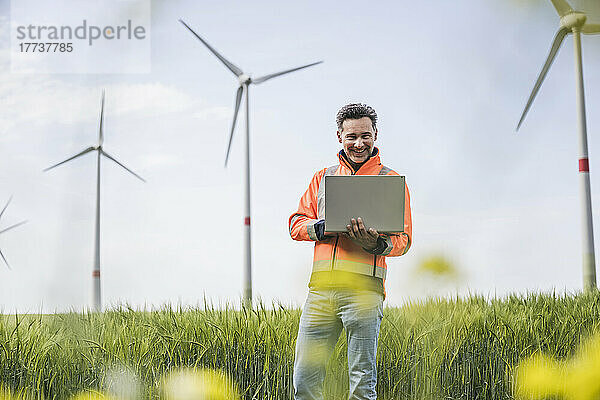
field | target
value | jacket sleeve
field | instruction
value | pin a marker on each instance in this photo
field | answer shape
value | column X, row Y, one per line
column 302, row 222
column 399, row 243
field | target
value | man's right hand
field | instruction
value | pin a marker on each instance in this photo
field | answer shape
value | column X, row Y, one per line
column 366, row 238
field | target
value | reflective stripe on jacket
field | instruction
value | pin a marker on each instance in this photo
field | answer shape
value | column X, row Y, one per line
column 340, row 253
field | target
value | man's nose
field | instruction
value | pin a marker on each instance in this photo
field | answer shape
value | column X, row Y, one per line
column 358, row 143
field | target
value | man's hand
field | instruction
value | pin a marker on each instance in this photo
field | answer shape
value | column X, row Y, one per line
column 320, row 231
column 367, row 239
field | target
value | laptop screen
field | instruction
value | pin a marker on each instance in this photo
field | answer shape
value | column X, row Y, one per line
column 377, row 199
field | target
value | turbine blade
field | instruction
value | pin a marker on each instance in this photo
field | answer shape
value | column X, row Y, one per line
column 101, row 131
column 12, row 226
column 232, row 67
column 238, row 101
column 4, row 258
column 562, row 7
column 267, row 77
column 560, row 35
column 4, row 209
column 591, row 29
column 127, row 169
column 71, row 158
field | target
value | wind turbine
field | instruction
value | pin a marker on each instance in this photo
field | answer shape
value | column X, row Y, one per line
column 7, row 229
column 244, row 84
column 97, row 299
column 576, row 22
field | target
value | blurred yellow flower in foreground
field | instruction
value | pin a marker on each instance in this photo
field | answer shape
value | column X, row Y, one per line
column 541, row 377
column 92, row 395
column 198, row 384
column 583, row 377
column 437, row 265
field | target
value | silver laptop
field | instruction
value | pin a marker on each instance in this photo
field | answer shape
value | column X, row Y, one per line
column 378, row 200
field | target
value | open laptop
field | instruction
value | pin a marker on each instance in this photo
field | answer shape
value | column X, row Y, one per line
column 377, row 199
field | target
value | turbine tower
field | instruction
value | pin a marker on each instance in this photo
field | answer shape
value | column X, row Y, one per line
column 244, row 84
column 576, row 22
column 97, row 295
column 7, row 229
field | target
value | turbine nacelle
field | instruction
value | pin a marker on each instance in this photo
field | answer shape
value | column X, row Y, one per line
column 574, row 20
column 244, row 79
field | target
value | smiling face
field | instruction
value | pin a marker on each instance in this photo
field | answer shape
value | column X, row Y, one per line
column 357, row 137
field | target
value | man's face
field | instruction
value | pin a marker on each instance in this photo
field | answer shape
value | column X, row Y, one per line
column 357, row 137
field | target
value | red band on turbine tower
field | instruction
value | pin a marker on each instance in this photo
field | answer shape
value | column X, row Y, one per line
column 96, row 274
column 584, row 165
column 247, row 221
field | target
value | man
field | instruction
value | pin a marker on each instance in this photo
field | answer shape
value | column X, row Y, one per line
column 349, row 269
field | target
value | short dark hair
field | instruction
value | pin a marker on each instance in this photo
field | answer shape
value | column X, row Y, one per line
column 355, row 111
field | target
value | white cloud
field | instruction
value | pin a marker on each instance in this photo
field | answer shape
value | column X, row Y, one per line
column 215, row 114
column 42, row 100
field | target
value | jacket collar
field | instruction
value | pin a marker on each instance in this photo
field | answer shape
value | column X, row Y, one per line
column 372, row 161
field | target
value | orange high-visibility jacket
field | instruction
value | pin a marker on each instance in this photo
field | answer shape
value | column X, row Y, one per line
column 340, row 253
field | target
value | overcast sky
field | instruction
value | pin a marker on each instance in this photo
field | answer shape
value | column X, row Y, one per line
column 448, row 80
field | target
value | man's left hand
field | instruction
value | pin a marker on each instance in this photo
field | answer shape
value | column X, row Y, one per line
column 366, row 238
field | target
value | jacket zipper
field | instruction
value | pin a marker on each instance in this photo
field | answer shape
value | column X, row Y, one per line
column 334, row 250
column 352, row 172
column 374, row 264
column 337, row 237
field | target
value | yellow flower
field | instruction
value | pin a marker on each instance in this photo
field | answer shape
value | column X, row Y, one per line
column 437, row 265
column 92, row 395
column 539, row 377
column 198, row 384
column 583, row 378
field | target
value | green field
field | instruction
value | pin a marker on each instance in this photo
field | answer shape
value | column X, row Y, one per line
column 439, row 349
